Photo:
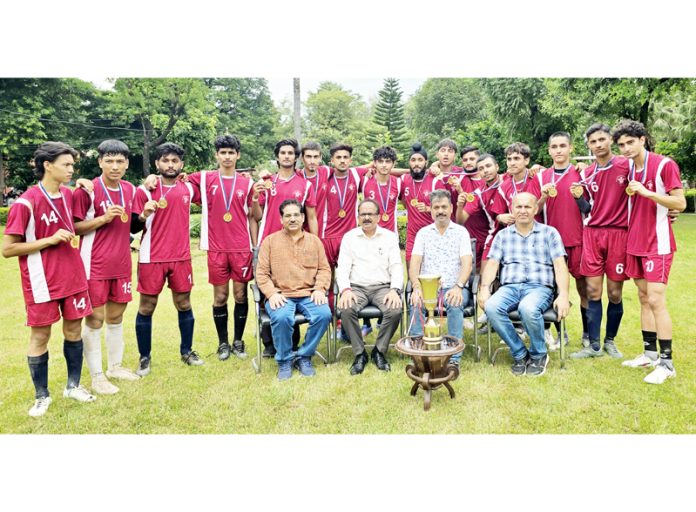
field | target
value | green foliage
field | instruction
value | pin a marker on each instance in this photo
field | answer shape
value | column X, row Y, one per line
column 4, row 211
column 690, row 200
column 195, row 225
column 389, row 116
column 401, row 223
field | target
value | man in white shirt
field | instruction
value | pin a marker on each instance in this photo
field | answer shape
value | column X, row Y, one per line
column 370, row 271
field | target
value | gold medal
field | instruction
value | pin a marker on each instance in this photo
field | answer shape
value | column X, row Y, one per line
column 630, row 191
column 414, row 202
column 452, row 180
column 341, row 213
column 162, row 203
column 385, row 217
column 419, row 204
column 470, row 198
column 124, row 217
column 227, row 217
column 75, row 242
column 268, row 184
column 552, row 191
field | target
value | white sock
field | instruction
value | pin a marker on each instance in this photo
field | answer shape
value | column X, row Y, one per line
column 91, row 339
column 114, row 344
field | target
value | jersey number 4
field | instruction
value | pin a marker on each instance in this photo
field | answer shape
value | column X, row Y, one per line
column 50, row 218
column 82, row 304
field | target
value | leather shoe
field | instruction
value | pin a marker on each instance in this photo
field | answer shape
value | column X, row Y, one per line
column 380, row 361
column 359, row 364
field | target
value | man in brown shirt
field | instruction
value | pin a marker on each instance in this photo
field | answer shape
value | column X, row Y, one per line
column 294, row 274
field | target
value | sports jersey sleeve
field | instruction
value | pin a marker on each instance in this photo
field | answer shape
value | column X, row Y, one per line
column 195, row 180
column 499, row 206
column 438, row 184
column 534, row 188
column 81, row 203
column 671, row 176
column 310, row 198
column 17, row 219
column 139, row 201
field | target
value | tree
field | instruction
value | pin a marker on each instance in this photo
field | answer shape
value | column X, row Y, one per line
column 389, row 115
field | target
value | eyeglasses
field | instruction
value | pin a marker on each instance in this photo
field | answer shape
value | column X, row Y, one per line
column 368, row 214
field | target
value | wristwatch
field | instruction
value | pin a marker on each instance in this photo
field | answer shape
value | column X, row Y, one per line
column 461, row 285
column 397, row 290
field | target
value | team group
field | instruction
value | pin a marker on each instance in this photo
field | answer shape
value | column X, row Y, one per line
column 532, row 226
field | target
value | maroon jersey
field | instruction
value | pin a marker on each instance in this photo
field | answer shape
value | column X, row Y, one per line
column 562, row 211
column 468, row 184
column 605, row 188
column 481, row 223
column 224, row 194
column 649, row 227
column 418, row 191
column 295, row 187
column 105, row 252
column 320, row 185
column 56, row 271
column 166, row 233
column 387, row 196
column 342, row 196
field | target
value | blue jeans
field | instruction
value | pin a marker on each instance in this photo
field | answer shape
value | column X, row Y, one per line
column 283, row 322
column 455, row 319
column 531, row 300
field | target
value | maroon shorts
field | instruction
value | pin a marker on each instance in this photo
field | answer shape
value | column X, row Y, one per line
column 574, row 260
column 152, row 276
column 74, row 307
column 604, row 252
column 480, row 246
column 224, row 267
column 331, row 247
column 654, row 268
column 102, row 291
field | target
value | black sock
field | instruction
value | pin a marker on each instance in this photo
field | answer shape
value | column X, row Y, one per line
column 143, row 333
column 186, row 322
column 666, row 350
column 267, row 337
column 296, row 338
column 38, row 368
column 220, row 320
column 593, row 314
column 583, row 316
column 241, row 311
column 72, row 350
column 649, row 341
column 614, row 315
column 366, row 322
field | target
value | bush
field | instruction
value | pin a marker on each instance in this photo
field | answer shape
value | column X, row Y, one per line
column 195, row 226
column 196, row 208
column 3, row 215
column 690, row 200
column 401, row 225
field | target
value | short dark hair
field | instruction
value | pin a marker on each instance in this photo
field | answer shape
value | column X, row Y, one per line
column 169, row 148
column 228, row 141
column 113, row 147
column 597, row 127
column 49, row 152
column 310, row 146
column 630, row 128
column 289, row 202
column 438, row 194
column 486, row 156
column 561, row 134
column 286, row 142
column 469, row 149
column 447, row 143
column 368, row 200
column 518, row 147
column 341, row 147
column 386, row 152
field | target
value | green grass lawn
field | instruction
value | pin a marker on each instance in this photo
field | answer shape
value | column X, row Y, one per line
column 597, row 396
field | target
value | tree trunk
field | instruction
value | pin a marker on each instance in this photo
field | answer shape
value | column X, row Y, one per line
column 296, row 104
column 2, row 180
column 146, row 155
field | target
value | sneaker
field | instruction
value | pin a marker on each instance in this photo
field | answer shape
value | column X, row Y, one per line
column 223, row 351
column 586, row 353
column 79, row 393
column 238, row 349
column 144, row 366
column 40, row 406
column 610, row 348
column 366, row 329
column 585, row 340
column 660, row 374
column 102, row 386
column 119, row 372
column 537, row 367
column 551, row 342
column 641, row 361
column 269, row 352
column 304, row 365
column 192, row 359
column 519, row 367
column 284, row 370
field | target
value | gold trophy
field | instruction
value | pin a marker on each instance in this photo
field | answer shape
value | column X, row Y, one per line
column 432, row 335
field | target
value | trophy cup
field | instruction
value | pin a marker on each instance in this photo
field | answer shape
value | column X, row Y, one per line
column 432, row 335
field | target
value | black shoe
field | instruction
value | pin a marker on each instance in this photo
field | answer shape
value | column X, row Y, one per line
column 380, row 361
column 537, row 367
column 359, row 364
column 519, row 367
column 223, row 351
column 269, row 352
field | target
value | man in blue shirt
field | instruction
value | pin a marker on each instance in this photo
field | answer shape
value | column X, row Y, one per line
column 531, row 254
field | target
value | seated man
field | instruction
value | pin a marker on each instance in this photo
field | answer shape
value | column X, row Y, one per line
column 531, row 253
column 370, row 272
column 294, row 274
column 442, row 248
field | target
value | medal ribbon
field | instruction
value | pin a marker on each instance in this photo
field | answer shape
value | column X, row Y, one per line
column 524, row 182
column 162, row 194
column 341, row 197
column 70, row 227
column 553, row 176
column 228, row 203
column 418, row 189
column 384, row 203
column 108, row 197
column 632, row 170
column 593, row 177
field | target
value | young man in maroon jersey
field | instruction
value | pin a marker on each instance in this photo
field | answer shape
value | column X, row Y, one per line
column 269, row 193
column 557, row 208
column 317, row 175
column 600, row 195
column 227, row 235
column 654, row 188
column 41, row 233
column 103, row 219
column 165, row 253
